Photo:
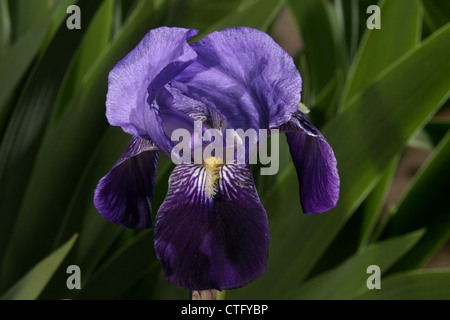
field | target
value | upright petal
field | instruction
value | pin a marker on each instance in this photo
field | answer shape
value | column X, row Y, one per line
column 124, row 195
column 245, row 76
column 135, row 81
column 212, row 234
column 315, row 163
column 170, row 98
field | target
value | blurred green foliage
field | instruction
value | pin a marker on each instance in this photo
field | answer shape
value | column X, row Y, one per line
column 372, row 92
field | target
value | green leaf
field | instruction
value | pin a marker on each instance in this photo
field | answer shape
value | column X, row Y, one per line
column 95, row 41
column 200, row 14
column 365, row 137
column 97, row 235
column 327, row 99
column 437, row 13
column 30, row 285
column 373, row 205
column 66, row 150
column 347, row 23
column 349, row 278
column 356, row 233
column 5, row 27
column 321, row 50
column 123, row 269
column 415, row 285
column 425, row 204
column 19, row 149
column 421, row 140
column 79, row 211
column 20, row 146
column 27, row 14
column 257, row 14
column 400, row 31
column 353, row 14
column 90, row 50
column 17, row 59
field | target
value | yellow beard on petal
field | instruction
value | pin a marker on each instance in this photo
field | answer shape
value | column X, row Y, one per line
column 303, row 108
column 212, row 170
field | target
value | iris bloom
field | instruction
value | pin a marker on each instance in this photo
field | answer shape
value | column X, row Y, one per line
column 211, row 231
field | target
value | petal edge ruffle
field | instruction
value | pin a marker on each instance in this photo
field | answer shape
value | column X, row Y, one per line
column 135, row 81
column 246, row 76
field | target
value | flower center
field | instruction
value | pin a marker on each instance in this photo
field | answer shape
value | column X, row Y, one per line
column 212, row 170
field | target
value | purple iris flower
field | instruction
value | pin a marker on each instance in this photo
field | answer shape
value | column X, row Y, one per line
column 211, row 231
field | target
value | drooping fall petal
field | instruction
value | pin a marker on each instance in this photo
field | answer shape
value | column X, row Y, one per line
column 211, row 231
column 124, row 195
column 315, row 163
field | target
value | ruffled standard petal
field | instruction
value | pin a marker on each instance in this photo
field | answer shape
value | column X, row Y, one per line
column 170, row 98
column 245, row 76
column 124, row 195
column 315, row 163
column 212, row 238
column 135, row 81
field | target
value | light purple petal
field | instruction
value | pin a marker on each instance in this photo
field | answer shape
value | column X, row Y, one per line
column 124, row 195
column 245, row 76
column 315, row 163
column 136, row 79
column 171, row 99
column 212, row 240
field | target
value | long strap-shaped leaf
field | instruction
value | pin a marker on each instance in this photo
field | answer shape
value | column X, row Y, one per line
column 31, row 285
column 17, row 58
column 64, row 164
column 348, row 279
column 414, row 285
column 26, row 127
column 254, row 13
column 400, row 31
column 425, row 204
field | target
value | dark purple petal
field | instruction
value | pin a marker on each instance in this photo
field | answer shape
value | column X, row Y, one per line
column 136, row 79
column 212, row 235
column 124, row 195
column 315, row 163
column 245, row 76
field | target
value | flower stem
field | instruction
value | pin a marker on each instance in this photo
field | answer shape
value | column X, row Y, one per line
column 223, row 295
column 211, row 294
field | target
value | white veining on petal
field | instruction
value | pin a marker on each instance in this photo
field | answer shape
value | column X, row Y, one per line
column 234, row 181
